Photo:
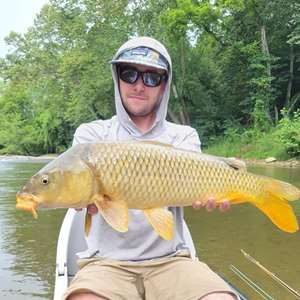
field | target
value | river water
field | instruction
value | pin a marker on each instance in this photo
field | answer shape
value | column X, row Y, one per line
column 27, row 246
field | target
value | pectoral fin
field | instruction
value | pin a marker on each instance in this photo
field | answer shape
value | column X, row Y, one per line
column 114, row 212
column 162, row 221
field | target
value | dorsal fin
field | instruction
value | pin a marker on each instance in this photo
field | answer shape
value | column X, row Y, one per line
column 234, row 163
column 231, row 162
column 156, row 143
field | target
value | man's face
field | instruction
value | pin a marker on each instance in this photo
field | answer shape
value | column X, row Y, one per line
column 138, row 99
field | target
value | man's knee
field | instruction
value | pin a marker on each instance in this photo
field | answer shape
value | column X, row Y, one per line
column 85, row 296
column 219, row 296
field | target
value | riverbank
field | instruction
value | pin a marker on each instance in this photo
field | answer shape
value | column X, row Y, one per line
column 41, row 158
column 290, row 163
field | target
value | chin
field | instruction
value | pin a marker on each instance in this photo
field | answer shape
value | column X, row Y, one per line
column 138, row 112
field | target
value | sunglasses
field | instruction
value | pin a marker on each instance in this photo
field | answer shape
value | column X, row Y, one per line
column 130, row 75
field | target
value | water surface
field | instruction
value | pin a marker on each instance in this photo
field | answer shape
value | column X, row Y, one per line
column 27, row 246
column 220, row 236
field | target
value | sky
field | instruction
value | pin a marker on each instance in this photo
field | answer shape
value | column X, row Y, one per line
column 17, row 15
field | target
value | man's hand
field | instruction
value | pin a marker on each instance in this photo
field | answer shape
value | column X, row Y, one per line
column 91, row 209
column 210, row 205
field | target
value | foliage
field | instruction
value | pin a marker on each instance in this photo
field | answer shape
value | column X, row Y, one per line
column 236, row 64
column 58, row 76
column 288, row 133
column 249, row 144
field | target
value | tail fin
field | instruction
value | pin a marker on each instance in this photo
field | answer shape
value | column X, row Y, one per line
column 282, row 189
column 273, row 203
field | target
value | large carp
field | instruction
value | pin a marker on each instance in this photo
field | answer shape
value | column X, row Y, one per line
column 150, row 176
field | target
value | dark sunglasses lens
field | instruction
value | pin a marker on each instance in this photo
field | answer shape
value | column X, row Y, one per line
column 129, row 75
column 152, row 79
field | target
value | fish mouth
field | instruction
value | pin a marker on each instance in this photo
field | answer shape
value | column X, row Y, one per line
column 27, row 202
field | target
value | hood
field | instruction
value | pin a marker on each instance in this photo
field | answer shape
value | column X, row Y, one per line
column 161, row 114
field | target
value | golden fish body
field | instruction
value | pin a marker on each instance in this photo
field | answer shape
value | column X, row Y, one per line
column 149, row 176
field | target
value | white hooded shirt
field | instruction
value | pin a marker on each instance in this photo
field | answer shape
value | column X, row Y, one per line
column 140, row 242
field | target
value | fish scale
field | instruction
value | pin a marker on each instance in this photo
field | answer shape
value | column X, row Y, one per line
column 167, row 176
column 118, row 176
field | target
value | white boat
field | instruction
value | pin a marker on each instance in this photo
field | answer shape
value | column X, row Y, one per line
column 70, row 241
column 67, row 247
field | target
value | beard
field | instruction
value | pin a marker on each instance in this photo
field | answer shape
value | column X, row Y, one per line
column 142, row 111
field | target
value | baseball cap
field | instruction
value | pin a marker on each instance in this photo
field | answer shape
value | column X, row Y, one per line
column 142, row 56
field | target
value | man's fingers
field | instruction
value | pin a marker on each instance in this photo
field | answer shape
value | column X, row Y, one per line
column 197, row 205
column 210, row 204
column 92, row 209
column 224, row 205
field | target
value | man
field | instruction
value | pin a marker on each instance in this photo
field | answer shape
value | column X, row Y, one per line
column 139, row 264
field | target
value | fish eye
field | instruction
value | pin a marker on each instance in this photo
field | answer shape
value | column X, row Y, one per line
column 45, row 180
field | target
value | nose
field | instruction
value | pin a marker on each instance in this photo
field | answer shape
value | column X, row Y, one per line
column 139, row 85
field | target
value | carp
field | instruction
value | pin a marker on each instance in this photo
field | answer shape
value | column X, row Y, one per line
column 150, row 176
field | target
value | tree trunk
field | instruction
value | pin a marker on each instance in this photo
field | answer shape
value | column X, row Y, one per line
column 276, row 117
column 172, row 116
column 265, row 50
column 184, row 118
column 291, row 78
column 265, row 47
column 187, row 120
column 293, row 103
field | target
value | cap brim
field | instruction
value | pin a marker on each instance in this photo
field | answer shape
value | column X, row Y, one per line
column 136, row 62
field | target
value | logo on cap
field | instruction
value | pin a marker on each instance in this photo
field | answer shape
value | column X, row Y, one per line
column 144, row 56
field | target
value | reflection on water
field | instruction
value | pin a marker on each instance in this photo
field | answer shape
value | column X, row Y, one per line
column 27, row 246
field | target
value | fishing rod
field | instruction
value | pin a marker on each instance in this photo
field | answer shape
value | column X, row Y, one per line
column 251, row 283
column 277, row 279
